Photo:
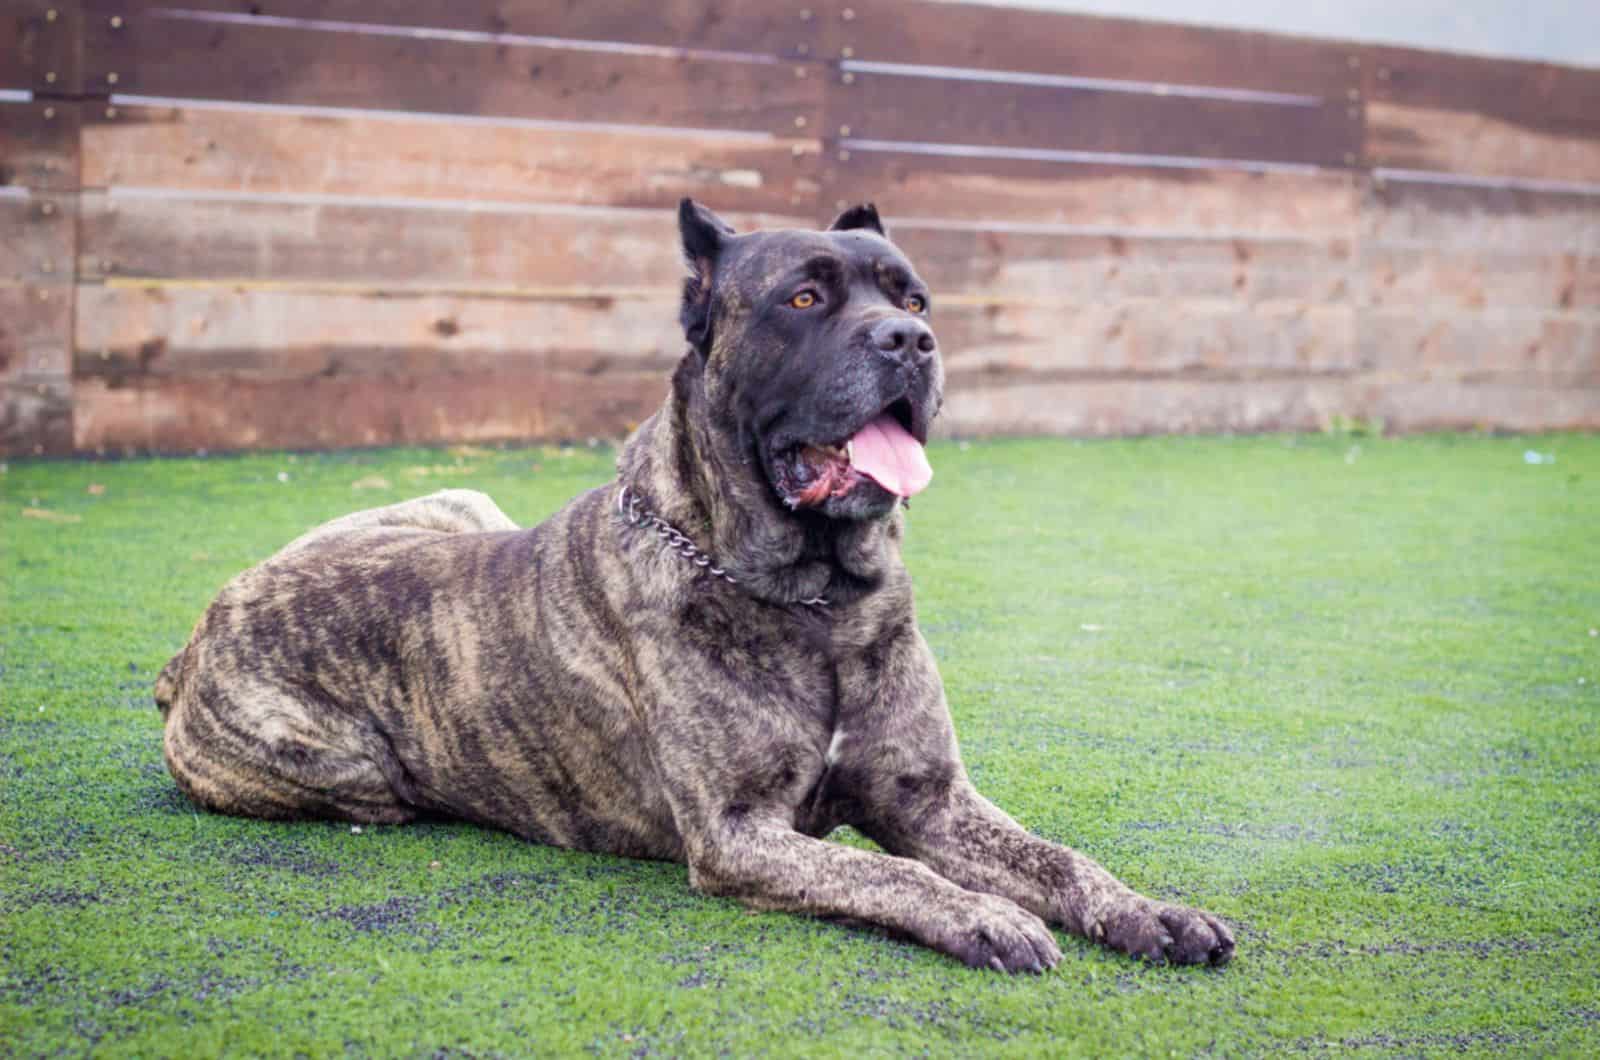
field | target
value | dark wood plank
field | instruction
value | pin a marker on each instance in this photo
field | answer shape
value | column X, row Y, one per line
column 219, row 413
column 280, row 64
column 129, row 332
column 750, row 26
column 1401, row 136
column 905, row 185
column 39, row 143
column 1539, row 97
column 41, row 46
column 1008, row 38
column 274, row 152
column 399, row 247
column 37, row 238
column 889, row 107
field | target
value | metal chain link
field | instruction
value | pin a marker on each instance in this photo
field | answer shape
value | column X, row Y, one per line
column 632, row 508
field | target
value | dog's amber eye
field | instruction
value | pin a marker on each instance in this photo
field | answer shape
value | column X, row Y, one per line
column 803, row 300
column 916, row 303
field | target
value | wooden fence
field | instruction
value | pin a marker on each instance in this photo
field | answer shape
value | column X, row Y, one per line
column 292, row 223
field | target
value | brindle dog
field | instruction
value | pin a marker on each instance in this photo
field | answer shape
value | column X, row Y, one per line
column 713, row 659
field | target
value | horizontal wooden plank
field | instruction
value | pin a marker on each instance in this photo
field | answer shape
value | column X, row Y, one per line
column 1410, row 137
column 1447, row 217
column 1069, row 267
column 39, row 144
column 126, row 332
column 35, row 331
column 1308, row 205
column 1416, row 277
column 1147, row 337
column 1417, row 344
column 275, row 152
column 890, row 107
column 1108, row 408
column 37, row 238
column 1542, row 97
column 219, row 413
column 278, row 63
column 993, row 37
column 36, row 416
column 404, row 247
column 40, row 46
column 749, row 26
column 1507, row 406
column 1019, row 407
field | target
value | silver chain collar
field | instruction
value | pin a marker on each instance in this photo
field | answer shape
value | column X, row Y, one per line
column 634, row 511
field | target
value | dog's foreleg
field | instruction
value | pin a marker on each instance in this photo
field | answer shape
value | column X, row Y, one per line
column 948, row 826
column 767, row 865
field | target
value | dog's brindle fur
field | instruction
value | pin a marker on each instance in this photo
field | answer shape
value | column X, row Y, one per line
column 580, row 684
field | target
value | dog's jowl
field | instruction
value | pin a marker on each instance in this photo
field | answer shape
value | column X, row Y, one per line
column 713, row 659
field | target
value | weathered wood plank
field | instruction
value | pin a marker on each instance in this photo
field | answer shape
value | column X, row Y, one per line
column 36, row 416
column 35, row 331
column 1410, row 137
column 398, row 156
column 219, row 413
column 404, row 247
column 37, row 238
column 1122, row 407
column 38, row 144
column 1145, row 338
column 126, row 332
column 1030, row 266
column 1433, row 405
column 1419, row 345
column 1018, row 39
column 750, row 26
column 1446, row 217
column 878, row 106
column 1107, row 408
column 277, row 63
column 1414, row 277
column 41, row 46
column 904, row 185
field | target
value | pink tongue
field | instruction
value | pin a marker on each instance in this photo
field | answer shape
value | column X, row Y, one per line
column 885, row 452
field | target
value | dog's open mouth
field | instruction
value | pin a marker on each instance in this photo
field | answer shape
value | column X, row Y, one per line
column 883, row 451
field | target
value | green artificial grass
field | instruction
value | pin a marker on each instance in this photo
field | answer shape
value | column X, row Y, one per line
column 1342, row 691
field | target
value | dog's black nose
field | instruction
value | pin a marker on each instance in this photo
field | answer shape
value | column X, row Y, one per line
column 904, row 338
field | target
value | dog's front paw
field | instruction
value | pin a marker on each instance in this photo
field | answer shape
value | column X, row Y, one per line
column 1159, row 932
column 994, row 932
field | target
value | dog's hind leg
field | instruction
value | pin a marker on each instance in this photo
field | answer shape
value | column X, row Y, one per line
column 256, row 749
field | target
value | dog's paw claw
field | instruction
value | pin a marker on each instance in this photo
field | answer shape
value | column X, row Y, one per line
column 1162, row 933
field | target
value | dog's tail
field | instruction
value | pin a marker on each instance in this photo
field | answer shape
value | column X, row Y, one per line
column 167, row 682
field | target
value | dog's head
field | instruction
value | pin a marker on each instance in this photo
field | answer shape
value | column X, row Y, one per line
column 816, row 346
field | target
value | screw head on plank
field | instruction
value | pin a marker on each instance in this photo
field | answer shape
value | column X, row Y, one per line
column 800, row 121
column 116, row 21
column 848, row 78
column 805, row 14
column 49, row 113
column 848, row 14
column 51, row 15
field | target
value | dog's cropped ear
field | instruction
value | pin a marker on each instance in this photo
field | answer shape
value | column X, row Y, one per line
column 702, row 232
column 862, row 216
